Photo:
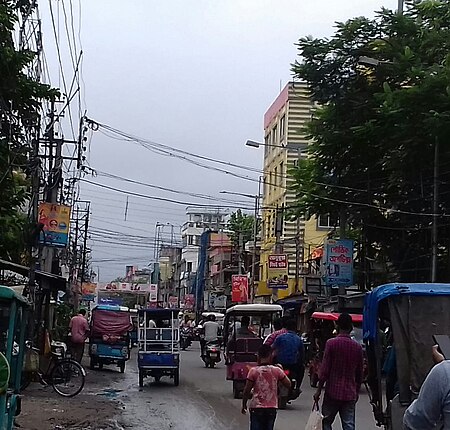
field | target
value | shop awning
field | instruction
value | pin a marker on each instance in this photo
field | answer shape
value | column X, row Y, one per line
column 56, row 282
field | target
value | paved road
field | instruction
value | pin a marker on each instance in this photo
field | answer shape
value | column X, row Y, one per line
column 203, row 401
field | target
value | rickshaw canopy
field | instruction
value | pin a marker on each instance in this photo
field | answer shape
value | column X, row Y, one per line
column 374, row 297
column 253, row 308
column 7, row 293
column 334, row 316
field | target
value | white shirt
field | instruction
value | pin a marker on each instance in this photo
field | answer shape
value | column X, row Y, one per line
column 211, row 330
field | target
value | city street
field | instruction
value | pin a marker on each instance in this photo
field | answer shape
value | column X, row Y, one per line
column 203, row 401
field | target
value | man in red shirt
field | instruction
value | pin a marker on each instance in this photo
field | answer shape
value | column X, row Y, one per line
column 279, row 326
column 262, row 382
column 79, row 329
column 341, row 373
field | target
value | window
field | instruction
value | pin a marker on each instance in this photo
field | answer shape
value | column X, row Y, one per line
column 270, row 182
column 282, row 127
column 275, row 176
column 190, row 239
column 266, row 145
column 280, row 182
column 327, row 221
column 189, row 266
column 274, row 136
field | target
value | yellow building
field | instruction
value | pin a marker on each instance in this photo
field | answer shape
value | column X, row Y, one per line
column 285, row 143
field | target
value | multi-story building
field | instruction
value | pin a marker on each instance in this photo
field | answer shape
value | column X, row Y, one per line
column 169, row 273
column 198, row 221
column 284, row 145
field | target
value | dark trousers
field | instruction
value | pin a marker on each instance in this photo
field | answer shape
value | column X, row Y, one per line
column 77, row 351
column 346, row 410
column 262, row 418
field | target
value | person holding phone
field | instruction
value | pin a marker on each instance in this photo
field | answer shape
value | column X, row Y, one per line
column 432, row 407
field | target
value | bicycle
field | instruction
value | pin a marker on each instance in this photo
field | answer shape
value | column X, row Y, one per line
column 65, row 375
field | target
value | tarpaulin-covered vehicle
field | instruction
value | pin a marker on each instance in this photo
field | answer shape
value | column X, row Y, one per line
column 399, row 323
column 109, row 340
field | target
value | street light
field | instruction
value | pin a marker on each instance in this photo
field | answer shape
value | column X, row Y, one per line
column 255, row 144
column 255, row 230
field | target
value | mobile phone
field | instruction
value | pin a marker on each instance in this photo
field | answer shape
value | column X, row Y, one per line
column 443, row 342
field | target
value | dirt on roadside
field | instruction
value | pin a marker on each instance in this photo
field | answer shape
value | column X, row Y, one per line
column 42, row 409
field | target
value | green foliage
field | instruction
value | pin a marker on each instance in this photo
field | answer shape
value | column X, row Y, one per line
column 240, row 223
column 374, row 134
column 20, row 104
column 63, row 315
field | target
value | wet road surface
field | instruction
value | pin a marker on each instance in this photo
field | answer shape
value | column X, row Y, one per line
column 203, row 401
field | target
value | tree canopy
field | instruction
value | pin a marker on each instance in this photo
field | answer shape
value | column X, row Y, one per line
column 374, row 134
column 240, row 223
column 20, row 104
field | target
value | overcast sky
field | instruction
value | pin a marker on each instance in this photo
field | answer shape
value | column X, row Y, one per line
column 197, row 75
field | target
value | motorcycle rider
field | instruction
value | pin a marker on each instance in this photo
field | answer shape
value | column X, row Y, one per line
column 211, row 332
column 289, row 352
column 187, row 322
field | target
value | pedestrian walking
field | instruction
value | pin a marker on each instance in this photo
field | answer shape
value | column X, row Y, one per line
column 79, row 329
column 262, row 387
column 341, row 373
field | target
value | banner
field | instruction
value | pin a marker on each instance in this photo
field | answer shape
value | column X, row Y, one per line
column 239, row 288
column 189, row 301
column 278, row 269
column 88, row 290
column 126, row 287
column 55, row 221
column 339, row 262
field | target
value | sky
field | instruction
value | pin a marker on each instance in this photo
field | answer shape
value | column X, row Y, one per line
column 196, row 75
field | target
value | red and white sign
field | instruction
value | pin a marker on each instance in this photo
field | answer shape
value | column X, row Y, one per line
column 239, row 288
column 189, row 301
column 278, row 261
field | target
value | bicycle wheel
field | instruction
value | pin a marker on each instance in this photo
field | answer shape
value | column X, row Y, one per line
column 67, row 378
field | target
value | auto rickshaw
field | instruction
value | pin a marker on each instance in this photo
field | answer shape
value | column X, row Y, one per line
column 159, row 344
column 322, row 330
column 399, row 323
column 14, row 312
column 241, row 352
column 109, row 339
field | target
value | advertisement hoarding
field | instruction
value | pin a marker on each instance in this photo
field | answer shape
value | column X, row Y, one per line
column 339, row 262
column 125, row 286
column 239, row 288
column 55, row 222
column 278, row 268
column 88, row 290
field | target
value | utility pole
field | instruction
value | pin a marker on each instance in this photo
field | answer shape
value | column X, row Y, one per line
column 298, row 254
column 84, row 255
column 240, row 252
column 434, row 227
column 278, row 245
column 255, row 241
column 400, row 7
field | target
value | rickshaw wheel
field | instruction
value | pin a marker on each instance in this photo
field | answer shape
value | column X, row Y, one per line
column 100, row 365
column 141, row 378
column 212, row 365
column 122, row 367
column 176, row 378
column 92, row 363
column 282, row 402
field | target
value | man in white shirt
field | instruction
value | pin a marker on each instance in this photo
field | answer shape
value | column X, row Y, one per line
column 211, row 331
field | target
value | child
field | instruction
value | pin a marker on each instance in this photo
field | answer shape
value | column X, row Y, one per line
column 263, row 380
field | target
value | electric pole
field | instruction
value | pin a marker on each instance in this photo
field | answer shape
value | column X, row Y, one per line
column 434, row 227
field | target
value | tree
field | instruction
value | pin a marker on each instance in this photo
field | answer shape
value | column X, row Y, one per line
column 20, row 105
column 375, row 131
column 241, row 224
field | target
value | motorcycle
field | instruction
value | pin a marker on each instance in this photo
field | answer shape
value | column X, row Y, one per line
column 185, row 338
column 212, row 354
column 286, row 395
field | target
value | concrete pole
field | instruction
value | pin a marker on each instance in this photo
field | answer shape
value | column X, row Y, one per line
column 400, row 7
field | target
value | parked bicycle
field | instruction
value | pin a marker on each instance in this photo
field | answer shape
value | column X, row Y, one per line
column 65, row 375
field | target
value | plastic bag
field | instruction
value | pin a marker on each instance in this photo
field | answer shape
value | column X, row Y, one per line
column 315, row 419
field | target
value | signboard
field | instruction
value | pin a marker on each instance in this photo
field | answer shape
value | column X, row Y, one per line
column 153, row 293
column 339, row 262
column 239, row 288
column 189, row 301
column 126, row 286
column 88, row 290
column 55, row 221
column 278, row 267
column 173, row 302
